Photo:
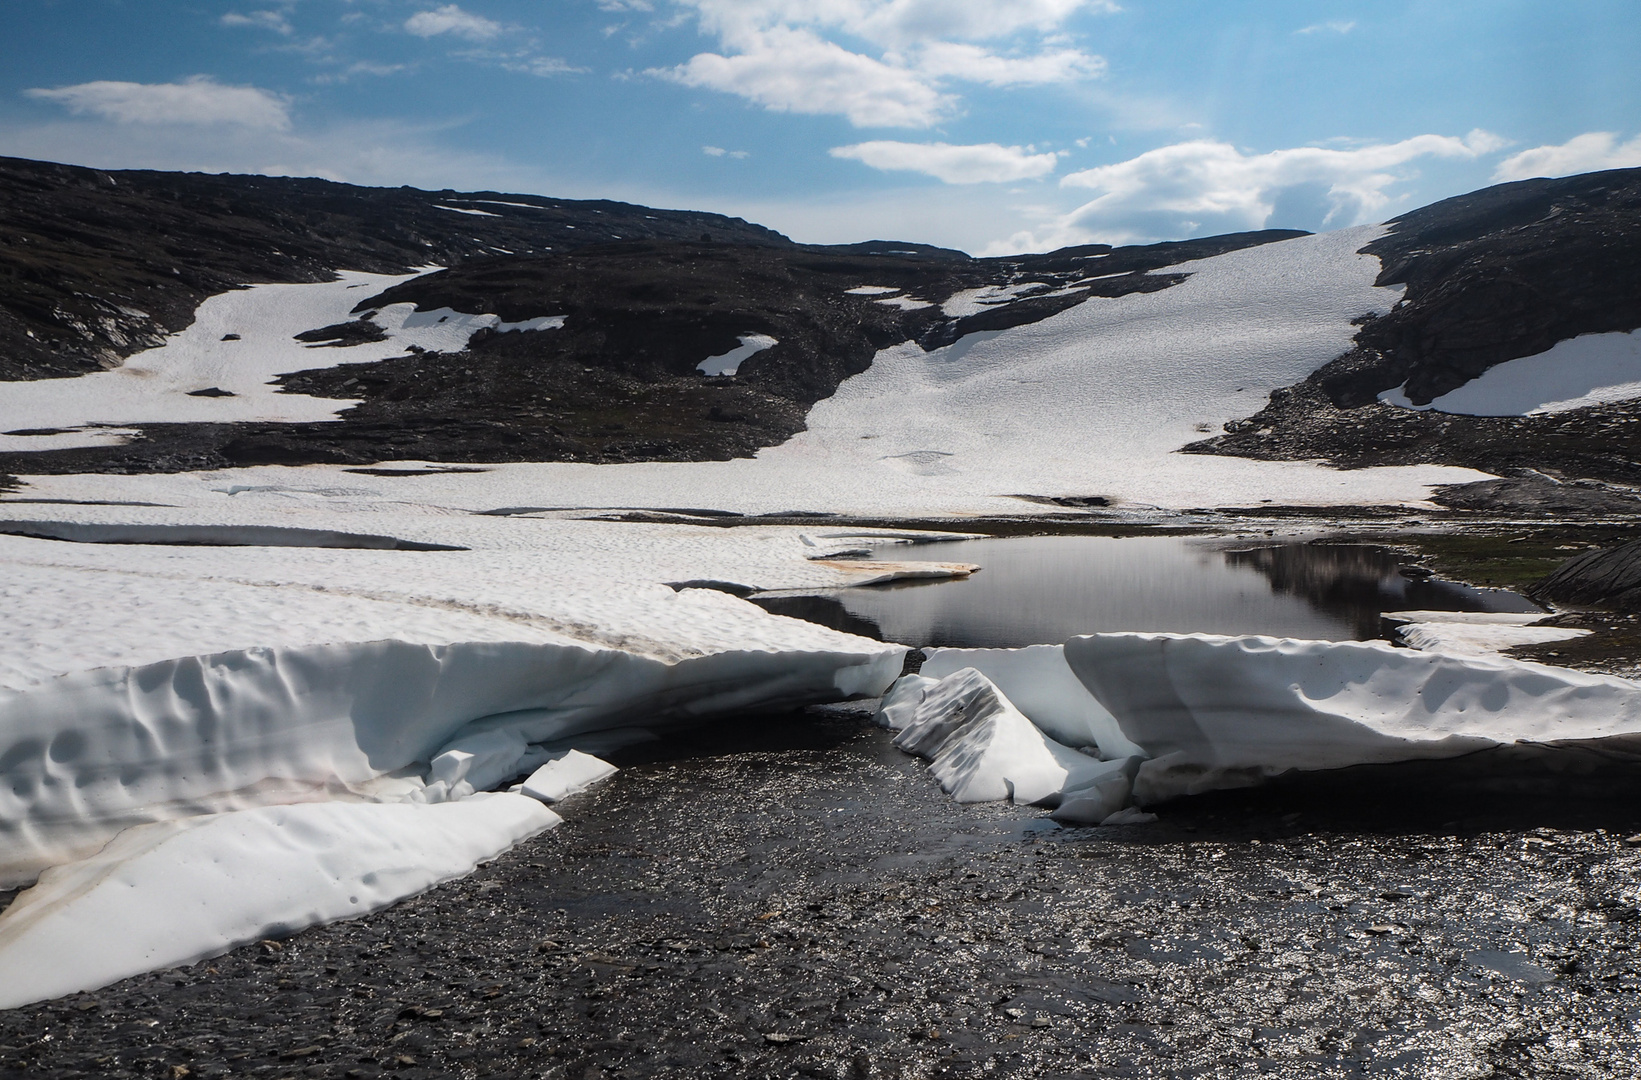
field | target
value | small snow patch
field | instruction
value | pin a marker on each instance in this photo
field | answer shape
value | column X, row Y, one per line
column 566, row 774
column 904, row 303
column 730, row 362
column 871, row 290
column 465, row 210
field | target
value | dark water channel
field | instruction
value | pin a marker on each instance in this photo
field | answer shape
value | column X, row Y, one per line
column 1044, row 589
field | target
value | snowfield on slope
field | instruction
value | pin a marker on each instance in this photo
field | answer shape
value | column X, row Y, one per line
column 1091, row 401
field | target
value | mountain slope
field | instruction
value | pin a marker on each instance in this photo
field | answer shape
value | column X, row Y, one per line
column 618, row 378
column 96, row 265
column 1491, row 277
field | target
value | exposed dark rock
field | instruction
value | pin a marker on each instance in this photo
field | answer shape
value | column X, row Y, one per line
column 96, row 265
column 1601, row 442
column 1538, row 495
column 357, row 332
column 1608, row 578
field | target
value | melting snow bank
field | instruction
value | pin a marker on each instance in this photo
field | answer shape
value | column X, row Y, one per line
column 1158, row 716
column 176, row 892
column 156, row 804
column 90, row 754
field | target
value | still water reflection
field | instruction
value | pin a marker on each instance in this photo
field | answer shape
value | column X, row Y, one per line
column 1044, row 589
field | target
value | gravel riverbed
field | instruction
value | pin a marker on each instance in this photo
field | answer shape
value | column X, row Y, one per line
column 790, row 896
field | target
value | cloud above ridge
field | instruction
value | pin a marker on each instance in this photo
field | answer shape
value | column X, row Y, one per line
column 978, row 164
column 1590, row 152
column 1204, row 186
column 198, row 100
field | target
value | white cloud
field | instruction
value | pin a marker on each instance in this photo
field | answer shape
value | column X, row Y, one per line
column 972, row 63
column 1202, row 186
column 1590, row 152
column 197, row 100
column 778, row 53
column 986, row 163
column 543, row 66
column 895, row 22
column 1337, row 26
column 451, row 19
column 266, row 20
column 787, row 70
column 714, row 151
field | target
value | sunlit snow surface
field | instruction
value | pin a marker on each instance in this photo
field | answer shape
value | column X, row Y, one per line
column 162, row 693
column 1589, row 370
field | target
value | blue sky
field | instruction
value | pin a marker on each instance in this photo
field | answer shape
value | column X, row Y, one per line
column 991, row 126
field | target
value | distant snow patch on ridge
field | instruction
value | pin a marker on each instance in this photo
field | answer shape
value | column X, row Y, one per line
column 1591, row 369
column 465, row 210
column 974, row 301
column 904, row 303
column 871, row 290
column 730, row 362
column 446, row 329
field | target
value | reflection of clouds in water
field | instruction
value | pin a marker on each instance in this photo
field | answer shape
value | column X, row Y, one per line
column 1035, row 590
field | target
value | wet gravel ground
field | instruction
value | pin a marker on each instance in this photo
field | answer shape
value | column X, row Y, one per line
column 793, row 897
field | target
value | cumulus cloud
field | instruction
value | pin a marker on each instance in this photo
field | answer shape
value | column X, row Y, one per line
column 452, row 20
column 197, row 100
column 979, row 164
column 1203, row 186
column 787, row 70
column 781, row 54
column 1590, row 152
column 265, row 20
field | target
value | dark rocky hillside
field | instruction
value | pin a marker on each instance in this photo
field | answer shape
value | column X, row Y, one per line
column 96, row 265
column 619, row 380
column 1498, row 274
